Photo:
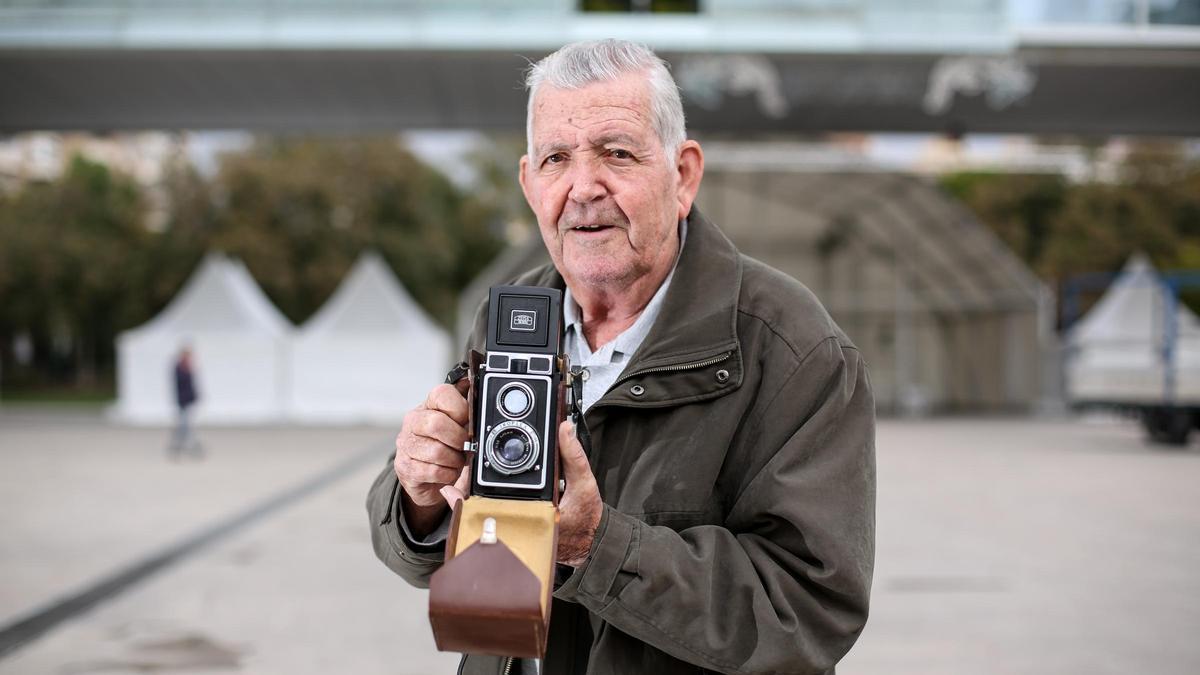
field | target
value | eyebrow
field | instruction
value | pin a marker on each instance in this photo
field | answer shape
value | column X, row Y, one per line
column 552, row 148
column 624, row 139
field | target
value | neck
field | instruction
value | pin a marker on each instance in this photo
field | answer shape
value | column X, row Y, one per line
column 608, row 310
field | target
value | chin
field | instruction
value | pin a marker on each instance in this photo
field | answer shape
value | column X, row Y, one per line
column 596, row 274
column 593, row 276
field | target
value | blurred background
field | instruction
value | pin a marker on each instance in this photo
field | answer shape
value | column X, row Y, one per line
column 998, row 200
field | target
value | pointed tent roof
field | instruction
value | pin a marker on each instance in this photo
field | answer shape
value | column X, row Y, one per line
column 1131, row 311
column 221, row 296
column 370, row 300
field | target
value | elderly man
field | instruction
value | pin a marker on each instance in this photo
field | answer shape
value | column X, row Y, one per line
column 724, row 519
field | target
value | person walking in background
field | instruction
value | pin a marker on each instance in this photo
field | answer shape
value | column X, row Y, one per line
column 183, row 439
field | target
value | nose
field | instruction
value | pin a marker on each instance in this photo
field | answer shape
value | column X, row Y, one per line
column 586, row 183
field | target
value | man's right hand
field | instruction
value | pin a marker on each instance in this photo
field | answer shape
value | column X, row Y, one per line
column 429, row 456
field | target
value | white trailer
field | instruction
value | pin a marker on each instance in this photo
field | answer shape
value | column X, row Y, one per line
column 1138, row 350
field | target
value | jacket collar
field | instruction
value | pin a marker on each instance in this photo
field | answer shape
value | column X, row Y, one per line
column 697, row 323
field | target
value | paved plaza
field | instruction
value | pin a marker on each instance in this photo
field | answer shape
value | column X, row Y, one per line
column 1004, row 546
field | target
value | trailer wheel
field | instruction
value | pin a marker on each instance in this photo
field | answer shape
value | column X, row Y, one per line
column 1168, row 426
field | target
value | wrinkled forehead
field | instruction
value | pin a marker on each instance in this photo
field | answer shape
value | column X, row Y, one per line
column 623, row 102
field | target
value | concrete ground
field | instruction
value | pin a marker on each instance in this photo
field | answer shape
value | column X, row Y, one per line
column 1004, row 546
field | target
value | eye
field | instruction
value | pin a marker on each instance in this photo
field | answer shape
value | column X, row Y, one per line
column 620, row 153
column 554, row 158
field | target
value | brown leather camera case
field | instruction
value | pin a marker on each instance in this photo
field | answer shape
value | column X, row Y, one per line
column 496, row 598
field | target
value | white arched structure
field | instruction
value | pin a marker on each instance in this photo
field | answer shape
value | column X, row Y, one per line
column 239, row 342
column 369, row 354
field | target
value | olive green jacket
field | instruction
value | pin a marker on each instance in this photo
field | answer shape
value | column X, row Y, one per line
column 738, row 479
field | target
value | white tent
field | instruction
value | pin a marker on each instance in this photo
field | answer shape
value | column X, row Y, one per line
column 239, row 343
column 1116, row 351
column 369, row 354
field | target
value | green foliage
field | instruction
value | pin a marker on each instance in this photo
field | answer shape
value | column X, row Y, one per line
column 78, row 263
column 64, row 249
column 1062, row 230
column 298, row 212
column 1021, row 209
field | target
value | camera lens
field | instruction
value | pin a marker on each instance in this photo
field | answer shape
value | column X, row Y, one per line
column 515, row 399
column 511, row 448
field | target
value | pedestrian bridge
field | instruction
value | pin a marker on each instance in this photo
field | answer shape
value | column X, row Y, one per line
column 745, row 66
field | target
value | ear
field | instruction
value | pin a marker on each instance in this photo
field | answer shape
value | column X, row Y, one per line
column 690, row 166
column 521, row 167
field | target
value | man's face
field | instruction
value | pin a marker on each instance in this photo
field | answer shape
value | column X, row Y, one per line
column 607, row 198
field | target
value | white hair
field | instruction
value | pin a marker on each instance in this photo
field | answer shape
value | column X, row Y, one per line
column 582, row 63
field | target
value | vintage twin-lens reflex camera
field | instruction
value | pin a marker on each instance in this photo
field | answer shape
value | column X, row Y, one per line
column 520, row 391
column 517, row 391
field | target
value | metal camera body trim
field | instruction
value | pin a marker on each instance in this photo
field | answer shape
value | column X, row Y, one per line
column 498, row 463
column 488, row 434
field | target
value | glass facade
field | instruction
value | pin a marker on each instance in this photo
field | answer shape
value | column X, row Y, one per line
column 767, row 25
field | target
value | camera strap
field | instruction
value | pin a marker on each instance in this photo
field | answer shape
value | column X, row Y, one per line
column 458, row 372
column 575, row 410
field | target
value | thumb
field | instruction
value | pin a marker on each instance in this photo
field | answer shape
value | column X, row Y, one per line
column 575, row 464
column 453, row 494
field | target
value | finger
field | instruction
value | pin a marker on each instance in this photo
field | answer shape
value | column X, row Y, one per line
column 432, row 452
column 418, row 474
column 574, row 462
column 453, row 494
column 436, row 425
column 464, row 480
column 445, row 397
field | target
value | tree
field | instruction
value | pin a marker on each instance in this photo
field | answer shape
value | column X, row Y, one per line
column 1064, row 230
column 78, row 263
column 299, row 211
column 66, row 244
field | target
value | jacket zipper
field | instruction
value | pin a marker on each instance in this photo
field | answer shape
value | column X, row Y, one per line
column 508, row 663
column 681, row 366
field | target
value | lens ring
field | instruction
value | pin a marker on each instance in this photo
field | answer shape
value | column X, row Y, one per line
column 502, row 464
column 503, row 394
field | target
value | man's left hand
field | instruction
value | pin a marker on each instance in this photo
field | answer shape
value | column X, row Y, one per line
column 579, row 507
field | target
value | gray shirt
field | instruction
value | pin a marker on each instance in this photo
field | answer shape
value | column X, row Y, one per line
column 603, row 366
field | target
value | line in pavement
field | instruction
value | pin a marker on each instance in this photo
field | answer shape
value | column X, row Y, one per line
column 37, row 623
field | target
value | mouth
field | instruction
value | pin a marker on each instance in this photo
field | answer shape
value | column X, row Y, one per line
column 591, row 227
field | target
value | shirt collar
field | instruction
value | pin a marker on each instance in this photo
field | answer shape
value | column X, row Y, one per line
column 631, row 338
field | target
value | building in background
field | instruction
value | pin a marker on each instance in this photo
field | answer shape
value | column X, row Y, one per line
column 946, row 316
